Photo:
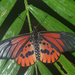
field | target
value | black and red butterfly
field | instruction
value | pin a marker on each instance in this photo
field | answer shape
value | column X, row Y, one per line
column 45, row 46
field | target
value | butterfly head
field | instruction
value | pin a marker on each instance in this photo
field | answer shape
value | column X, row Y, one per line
column 35, row 29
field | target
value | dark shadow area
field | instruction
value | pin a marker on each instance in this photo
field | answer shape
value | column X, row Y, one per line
column 70, row 57
column 22, row 70
column 52, row 69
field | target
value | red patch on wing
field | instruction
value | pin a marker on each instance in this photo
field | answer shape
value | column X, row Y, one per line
column 54, row 35
column 16, row 40
column 55, row 39
column 60, row 42
column 17, row 44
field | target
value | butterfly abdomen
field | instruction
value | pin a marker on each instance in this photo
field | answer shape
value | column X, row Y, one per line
column 36, row 45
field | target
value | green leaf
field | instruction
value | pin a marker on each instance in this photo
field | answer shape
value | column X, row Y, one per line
column 43, row 69
column 65, row 8
column 5, row 8
column 73, row 54
column 14, row 30
column 16, row 26
column 69, row 68
column 49, row 23
column 11, row 68
column 30, row 70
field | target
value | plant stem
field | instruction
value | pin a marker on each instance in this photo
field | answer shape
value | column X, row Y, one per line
column 26, row 6
column 36, row 68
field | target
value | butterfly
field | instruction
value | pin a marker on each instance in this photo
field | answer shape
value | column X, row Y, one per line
column 45, row 46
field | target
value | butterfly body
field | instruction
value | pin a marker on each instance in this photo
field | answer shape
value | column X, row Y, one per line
column 45, row 46
column 36, row 39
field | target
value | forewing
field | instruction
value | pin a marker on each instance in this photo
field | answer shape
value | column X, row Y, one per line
column 54, row 43
column 10, row 47
column 14, row 48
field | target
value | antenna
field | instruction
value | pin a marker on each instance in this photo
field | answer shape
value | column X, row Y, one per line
column 22, row 18
column 27, row 21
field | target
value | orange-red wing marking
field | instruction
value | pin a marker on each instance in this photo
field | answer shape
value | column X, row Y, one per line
column 27, row 56
column 48, row 53
column 54, row 43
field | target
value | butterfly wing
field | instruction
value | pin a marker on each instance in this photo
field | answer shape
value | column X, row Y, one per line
column 54, row 43
column 19, row 48
column 26, row 56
